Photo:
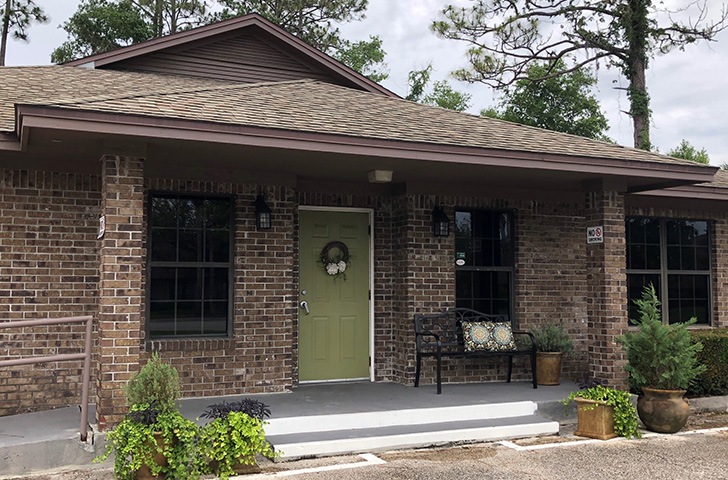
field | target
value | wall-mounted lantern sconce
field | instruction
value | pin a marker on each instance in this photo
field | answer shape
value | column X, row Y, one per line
column 263, row 214
column 440, row 223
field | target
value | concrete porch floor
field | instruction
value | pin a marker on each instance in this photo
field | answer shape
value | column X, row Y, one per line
column 335, row 398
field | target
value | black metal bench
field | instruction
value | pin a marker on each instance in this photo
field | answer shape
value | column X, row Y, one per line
column 441, row 335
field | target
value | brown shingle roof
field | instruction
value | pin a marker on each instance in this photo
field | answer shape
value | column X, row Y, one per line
column 304, row 106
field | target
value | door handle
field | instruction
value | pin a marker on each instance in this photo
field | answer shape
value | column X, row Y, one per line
column 304, row 305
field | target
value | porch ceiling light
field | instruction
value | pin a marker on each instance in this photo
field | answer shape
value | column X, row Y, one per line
column 440, row 223
column 380, row 176
column 263, row 214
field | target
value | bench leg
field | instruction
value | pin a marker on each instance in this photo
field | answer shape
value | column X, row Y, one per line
column 417, row 370
column 533, row 370
column 439, row 373
column 510, row 367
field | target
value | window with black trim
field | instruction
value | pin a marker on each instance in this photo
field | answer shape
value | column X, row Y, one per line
column 484, row 260
column 190, row 265
column 673, row 255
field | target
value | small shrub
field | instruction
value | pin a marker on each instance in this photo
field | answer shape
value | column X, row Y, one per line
column 660, row 356
column 714, row 380
column 552, row 338
column 156, row 383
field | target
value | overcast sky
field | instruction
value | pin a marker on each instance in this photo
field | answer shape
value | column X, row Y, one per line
column 686, row 88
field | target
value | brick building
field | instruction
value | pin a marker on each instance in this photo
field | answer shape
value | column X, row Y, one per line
column 183, row 145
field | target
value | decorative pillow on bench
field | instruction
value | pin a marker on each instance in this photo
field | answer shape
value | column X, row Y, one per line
column 487, row 336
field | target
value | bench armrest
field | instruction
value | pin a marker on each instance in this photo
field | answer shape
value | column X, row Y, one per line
column 425, row 333
column 530, row 335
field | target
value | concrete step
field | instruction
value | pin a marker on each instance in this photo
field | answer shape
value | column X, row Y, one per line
column 320, row 435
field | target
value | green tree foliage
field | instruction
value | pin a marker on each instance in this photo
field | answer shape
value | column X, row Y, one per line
column 562, row 103
column 686, row 151
column 310, row 20
column 17, row 15
column 506, row 37
column 366, row 57
column 441, row 94
column 100, row 26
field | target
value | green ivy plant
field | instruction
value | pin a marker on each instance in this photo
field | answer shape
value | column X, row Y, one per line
column 147, row 431
column 625, row 413
column 233, row 438
column 552, row 338
column 660, row 356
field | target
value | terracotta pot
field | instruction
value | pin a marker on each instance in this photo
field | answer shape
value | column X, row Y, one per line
column 244, row 468
column 239, row 467
column 548, row 368
column 663, row 411
column 596, row 419
column 144, row 473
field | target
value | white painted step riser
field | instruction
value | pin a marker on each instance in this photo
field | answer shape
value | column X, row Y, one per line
column 412, row 440
column 423, row 416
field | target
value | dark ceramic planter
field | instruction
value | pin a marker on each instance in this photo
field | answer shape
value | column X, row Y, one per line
column 663, row 411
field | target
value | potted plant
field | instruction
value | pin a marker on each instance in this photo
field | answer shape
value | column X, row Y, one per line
column 662, row 362
column 233, row 438
column 154, row 440
column 604, row 413
column 552, row 342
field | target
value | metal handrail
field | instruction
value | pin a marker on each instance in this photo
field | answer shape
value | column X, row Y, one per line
column 85, row 356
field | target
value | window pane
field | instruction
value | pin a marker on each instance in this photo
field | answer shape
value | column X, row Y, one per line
column 162, row 283
column 161, row 318
column 217, row 213
column 164, row 245
column 216, row 283
column 190, row 210
column 689, row 297
column 635, row 286
column 189, row 284
column 164, row 212
column 190, row 245
column 217, row 246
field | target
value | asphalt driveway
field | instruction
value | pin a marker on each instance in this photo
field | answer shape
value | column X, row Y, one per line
column 688, row 456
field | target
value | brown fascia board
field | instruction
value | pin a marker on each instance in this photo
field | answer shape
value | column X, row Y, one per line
column 693, row 192
column 251, row 20
column 56, row 118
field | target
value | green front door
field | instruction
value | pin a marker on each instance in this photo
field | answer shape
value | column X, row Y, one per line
column 333, row 339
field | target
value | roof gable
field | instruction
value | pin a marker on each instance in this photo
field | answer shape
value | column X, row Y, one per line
column 246, row 49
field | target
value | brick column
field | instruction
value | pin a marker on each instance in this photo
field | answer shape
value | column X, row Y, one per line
column 606, row 287
column 120, row 289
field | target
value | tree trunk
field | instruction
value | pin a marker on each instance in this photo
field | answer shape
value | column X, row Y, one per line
column 639, row 106
column 5, row 31
column 636, row 25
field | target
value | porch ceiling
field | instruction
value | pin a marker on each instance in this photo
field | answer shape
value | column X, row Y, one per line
column 427, row 169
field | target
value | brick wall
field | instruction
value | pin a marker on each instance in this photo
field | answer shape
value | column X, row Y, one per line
column 48, row 269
